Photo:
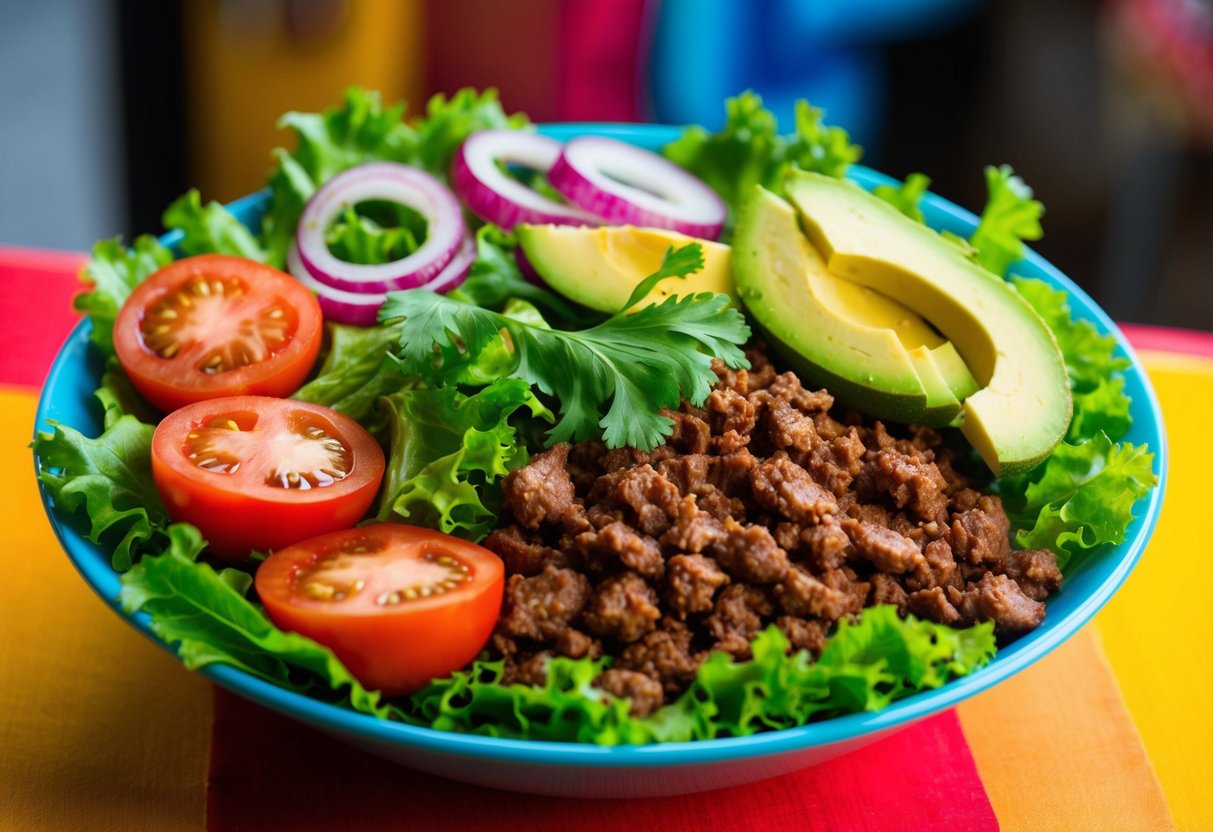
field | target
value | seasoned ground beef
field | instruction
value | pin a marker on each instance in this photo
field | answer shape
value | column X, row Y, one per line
column 766, row 506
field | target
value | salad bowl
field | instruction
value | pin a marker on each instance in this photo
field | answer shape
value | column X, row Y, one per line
column 568, row 769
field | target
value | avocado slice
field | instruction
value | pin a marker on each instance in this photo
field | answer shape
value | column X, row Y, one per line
column 794, row 301
column 1024, row 406
column 599, row 267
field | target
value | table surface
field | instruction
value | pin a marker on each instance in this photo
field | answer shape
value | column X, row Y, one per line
column 100, row 729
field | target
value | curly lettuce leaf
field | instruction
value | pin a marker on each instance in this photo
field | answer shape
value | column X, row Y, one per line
column 448, row 122
column 865, row 665
column 210, row 228
column 118, row 397
column 360, row 239
column 108, row 480
column 448, row 450
column 1010, row 216
column 1081, row 498
column 206, row 617
column 906, row 197
column 113, row 272
column 612, row 380
column 357, row 371
column 749, row 151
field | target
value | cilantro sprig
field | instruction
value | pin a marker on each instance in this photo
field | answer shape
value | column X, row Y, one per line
column 640, row 363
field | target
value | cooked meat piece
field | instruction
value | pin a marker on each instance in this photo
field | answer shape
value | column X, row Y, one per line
column 730, row 442
column 749, row 553
column 873, row 513
column 933, row 605
column 542, row 606
column 691, row 581
column 1036, row 572
column 502, row 646
column 981, row 535
column 654, row 498
column 601, row 515
column 735, row 380
column 782, row 486
column 835, row 465
column 731, row 472
column 663, row 654
column 529, row 670
column 886, row 549
column 690, row 474
column 587, row 455
column 803, row 633
column 786, row 387
column 937, row 569
column 623, row 607
column 521, row 555
column 576, row 644
column 621, row 459
column 728, row 411
column 644, row 691
column 886, row 590
column 690, row 435
column 716, row 503
column 737, row 618
column 787, row 536
column 845, row 580
column 802, row 594
column 618, row 543
column 541, row 490
column 999, row 599
column 789, row 429
column 912, row 482
column 693, row 530
column 827, row 546
column 964, row 499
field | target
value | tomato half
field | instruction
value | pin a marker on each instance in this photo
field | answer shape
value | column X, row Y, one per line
column 399, row 605
column 253, row 472
column 215, row 325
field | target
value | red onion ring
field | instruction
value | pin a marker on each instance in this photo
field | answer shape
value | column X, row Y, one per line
column 495, row 197
column 392, row 182
column 628, row 185
column 362, row 308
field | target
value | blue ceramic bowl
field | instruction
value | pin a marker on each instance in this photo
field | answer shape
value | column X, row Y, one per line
column 663, row 769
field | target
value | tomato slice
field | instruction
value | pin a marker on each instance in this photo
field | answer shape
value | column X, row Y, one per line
column 399, row 605
column 253, row 472
column 215, row 325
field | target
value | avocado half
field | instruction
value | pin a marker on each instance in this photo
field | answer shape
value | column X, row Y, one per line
column 1023, row 408
column 871, row 352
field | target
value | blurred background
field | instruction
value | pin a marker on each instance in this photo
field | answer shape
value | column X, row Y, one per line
column 111, row 108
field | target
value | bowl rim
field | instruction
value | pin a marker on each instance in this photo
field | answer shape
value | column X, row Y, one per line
column 93, row 565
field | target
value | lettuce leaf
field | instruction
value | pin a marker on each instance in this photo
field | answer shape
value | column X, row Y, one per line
column 906, row 197
column 118, row 397
column 357, row 371
column 360, row 239
column 206, row 617
column 749, row 151
column 865, row 665
column 1010, row 216
column 210, row 229
column 1081, row 498
column 447, row 451
column 109, row 481
column 113, row 272
column 448, row 122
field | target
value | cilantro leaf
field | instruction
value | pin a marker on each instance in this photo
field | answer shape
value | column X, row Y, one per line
column 640, row 363
column 447, row 449
column 1010, row 216
column 675, row 263
column 210, row 228
column 113, row 272
column 109, row 481
column 906, row 197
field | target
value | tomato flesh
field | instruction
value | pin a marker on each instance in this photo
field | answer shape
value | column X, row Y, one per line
column 399, row 605
column 212, row 326
column 259, row 473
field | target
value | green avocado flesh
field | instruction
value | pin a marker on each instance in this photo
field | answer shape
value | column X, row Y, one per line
column 871, row 352
column 1023, row 406
column 599, row 267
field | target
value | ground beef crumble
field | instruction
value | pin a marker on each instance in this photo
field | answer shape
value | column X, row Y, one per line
column 766, row 506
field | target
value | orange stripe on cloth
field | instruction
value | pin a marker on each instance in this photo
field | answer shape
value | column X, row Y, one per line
column 1056, row 748
column 1158, row 630
column 99, row 729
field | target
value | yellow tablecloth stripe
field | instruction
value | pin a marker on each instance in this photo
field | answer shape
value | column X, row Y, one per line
column 1158, row 630
column 99, row 729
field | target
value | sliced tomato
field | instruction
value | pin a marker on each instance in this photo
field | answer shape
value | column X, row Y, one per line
column 215, row 325
column 399, row 605
column 253, row 472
